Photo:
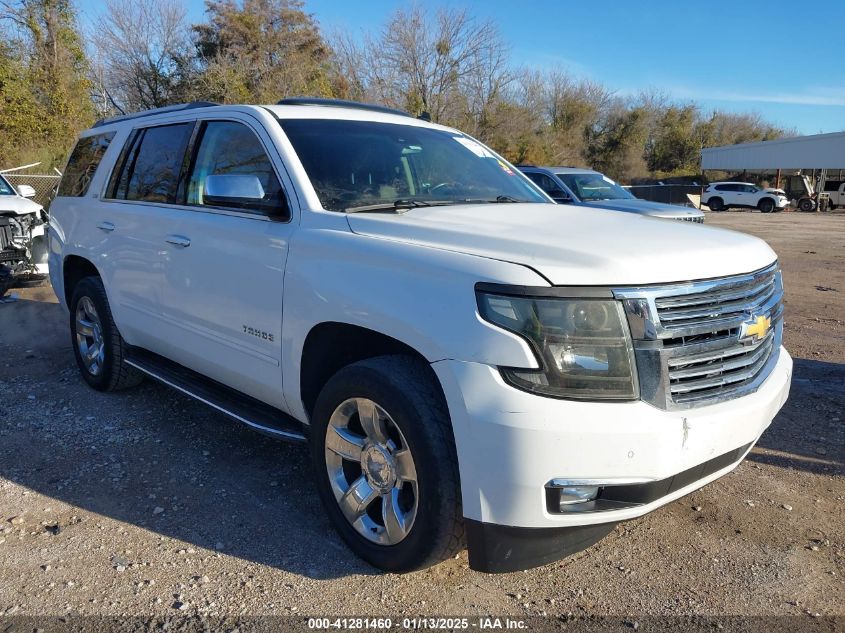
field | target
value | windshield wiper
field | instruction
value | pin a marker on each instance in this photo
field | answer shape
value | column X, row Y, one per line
column 497, row 199
column 397, row 205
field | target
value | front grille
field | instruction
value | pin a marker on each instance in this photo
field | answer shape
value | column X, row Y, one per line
column 723, row 304
column 707, row 341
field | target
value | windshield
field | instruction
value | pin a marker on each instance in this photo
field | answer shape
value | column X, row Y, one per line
column 5, row 188
column 355, row 164
column 595, row 187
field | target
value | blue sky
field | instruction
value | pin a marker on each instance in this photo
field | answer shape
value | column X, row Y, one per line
column 762, row 56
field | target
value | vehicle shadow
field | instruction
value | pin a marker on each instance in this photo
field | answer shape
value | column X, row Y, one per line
column 809, row 432
column 155, row 459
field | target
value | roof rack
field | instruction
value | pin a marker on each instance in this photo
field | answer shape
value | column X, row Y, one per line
column 340, row 103
column 144, row 113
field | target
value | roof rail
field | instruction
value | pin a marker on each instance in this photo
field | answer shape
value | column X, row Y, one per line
column 340, row 103
column 138, row 115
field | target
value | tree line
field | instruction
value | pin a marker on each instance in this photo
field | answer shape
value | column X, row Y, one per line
column 55, row 80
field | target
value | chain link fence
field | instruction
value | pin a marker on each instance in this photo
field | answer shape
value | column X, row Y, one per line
column 44, row 185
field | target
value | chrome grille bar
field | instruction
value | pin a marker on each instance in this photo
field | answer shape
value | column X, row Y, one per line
column 695, row 342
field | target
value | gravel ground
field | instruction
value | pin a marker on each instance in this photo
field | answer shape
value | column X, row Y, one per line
column 147, row 503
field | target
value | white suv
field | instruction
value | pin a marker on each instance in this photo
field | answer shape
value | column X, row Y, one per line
column 724, row 195
column 468, row 362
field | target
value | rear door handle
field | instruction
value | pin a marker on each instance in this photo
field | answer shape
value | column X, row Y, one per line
column 108, row 227
column 178, row 240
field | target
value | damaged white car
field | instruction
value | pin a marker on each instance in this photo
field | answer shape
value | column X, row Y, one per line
column 23, row 244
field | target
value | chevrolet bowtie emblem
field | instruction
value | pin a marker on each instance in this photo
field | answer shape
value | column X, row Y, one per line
column 755, row 326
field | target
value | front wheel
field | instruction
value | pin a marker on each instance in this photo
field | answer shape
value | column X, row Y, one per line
column 806, row 205
column 385, row 463
column 766, row 205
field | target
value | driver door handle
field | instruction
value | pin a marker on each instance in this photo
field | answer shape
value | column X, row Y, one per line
column 178, row 240
column 108, row 227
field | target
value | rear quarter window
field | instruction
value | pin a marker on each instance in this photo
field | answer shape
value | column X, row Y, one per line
column 83, row 163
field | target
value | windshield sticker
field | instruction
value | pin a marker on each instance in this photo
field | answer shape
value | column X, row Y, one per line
column 505, row 168
column 474, row 147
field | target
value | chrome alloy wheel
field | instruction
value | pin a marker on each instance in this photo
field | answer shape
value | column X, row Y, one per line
column 89, row 336
column 371, row 471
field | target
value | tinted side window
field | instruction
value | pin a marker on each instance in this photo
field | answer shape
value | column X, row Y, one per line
column 83, row 163
column 154, row 163
column 227, row 148
column 544, row 182
column 723, row 188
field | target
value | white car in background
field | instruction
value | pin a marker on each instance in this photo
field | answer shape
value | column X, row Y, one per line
column 719, row 196
column 23, row 243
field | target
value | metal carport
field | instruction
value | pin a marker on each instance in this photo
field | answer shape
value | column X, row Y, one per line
column 818, row 151
column 821, row 154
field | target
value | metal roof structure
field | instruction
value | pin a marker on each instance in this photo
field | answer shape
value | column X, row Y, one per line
column 818, row 151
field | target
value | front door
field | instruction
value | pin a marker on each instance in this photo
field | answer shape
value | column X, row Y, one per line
column 224, row 262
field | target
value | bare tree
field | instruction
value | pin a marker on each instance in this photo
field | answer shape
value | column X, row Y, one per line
column 140, row 44
column 448, row 64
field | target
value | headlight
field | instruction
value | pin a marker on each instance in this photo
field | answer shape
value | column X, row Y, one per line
column 583, row 345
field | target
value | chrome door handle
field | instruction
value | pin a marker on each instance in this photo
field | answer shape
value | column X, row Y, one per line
column 178, row 240
column 108, row 227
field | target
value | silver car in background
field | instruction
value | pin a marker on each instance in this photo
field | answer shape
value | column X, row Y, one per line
column 589, row 188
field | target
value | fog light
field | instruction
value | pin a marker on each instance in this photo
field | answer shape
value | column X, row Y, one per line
column 567, row 496
column 576, row 494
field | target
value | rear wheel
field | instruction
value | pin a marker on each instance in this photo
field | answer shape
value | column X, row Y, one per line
column 99, row 349
column 716, row 204
column 766, row 205
column 385, row 463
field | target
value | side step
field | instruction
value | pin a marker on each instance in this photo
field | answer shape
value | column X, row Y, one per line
column 254, row 413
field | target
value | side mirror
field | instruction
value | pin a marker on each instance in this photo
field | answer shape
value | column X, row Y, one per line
column 241, row 191
column 237, row 186
column 26, row 191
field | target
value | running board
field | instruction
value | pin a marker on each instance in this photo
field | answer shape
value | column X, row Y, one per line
column 256, row 414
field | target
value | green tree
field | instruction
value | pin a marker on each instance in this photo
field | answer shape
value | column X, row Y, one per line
column 259, row 51
column 46, row 90
column 674, row 146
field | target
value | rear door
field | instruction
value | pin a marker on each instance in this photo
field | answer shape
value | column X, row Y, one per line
column 728, row 193
column 224, row 259
column 131, row 221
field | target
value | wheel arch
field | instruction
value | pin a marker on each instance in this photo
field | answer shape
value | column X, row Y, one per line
column 332, row 345
column 74, row 269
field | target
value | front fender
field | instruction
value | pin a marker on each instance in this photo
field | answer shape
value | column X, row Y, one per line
column 421, row 296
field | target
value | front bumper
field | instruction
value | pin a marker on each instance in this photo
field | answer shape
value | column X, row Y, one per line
column 511, row 444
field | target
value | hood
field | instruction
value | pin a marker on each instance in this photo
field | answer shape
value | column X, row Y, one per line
column 574, row 245
column 779, row 192
column 18, row 205
column 646, row 207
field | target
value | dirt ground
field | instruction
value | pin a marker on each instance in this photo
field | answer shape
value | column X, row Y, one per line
column 148, row 503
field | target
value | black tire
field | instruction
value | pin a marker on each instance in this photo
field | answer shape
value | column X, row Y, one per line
column 113, row 373
column 766, row 205
column 716, row 204
column 806, row 205
column 406, row 389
